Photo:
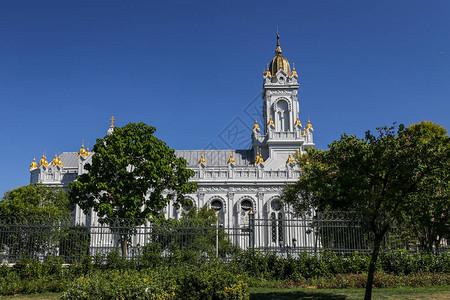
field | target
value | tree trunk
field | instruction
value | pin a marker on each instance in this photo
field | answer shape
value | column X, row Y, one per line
column 372, row 265
column 124, row 246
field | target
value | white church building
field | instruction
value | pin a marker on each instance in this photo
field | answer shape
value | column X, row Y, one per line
column 234, row 182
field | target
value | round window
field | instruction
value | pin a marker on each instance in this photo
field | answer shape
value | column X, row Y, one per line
column 275, row 205
column 217, row 205
column 246, row 205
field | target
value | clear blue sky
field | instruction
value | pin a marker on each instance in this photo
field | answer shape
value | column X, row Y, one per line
column 193, row 68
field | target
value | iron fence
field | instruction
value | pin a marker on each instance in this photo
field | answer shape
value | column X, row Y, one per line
column 311, row 232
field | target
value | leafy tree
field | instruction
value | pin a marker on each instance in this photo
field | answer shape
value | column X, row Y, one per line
column 431, row 218
column 35, row 200
column 27, row 216
column 133, row 175
column 379, row 177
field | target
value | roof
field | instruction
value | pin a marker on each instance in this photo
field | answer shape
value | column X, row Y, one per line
column 216, row 157
column 69, row 159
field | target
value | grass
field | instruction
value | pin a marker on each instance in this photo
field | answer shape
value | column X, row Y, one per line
column 429, row 293
column 432, row 293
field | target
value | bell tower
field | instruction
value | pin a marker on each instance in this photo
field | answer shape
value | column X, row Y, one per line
column 282, row 128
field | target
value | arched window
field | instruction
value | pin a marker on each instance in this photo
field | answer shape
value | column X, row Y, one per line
column 276, row 220
column 282, row 116
column 217, row 205
column 246, row 206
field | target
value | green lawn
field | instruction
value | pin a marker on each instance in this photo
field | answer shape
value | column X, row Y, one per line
column 348, row 294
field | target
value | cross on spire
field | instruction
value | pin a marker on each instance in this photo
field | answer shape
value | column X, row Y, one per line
column 112, row 121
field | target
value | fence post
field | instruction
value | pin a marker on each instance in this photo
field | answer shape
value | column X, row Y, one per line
column 217, row 238
column 251, row 229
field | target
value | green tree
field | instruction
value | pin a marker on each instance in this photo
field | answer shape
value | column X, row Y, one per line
column 133, row 175
column 35, row 200
column 431, row 218
column 27, row 220
column 378, row 176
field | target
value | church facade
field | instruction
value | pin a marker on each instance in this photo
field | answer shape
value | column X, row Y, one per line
column 233, row 182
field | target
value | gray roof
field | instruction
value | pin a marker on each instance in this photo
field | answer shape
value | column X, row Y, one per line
column 216, row 157
column 212, row 157
column 69, row 159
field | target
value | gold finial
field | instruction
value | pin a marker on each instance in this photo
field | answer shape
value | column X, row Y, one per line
column 231, row 159
column 33, row 164
column 309, row 125
column 59, row 161
column 82, row 152
column 297, row 122
column 290, row 160
column 112, row 121
column 87, row 149
column 270, row 121
column 258, row 158
column 293, row 70
column 55, row 161
column 202, row 160
column 256, row 126
column 304, row 131
column 267, row 72
column 43, row 160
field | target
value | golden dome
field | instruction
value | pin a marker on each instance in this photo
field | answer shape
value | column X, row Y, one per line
column 55, row 161
column 231, row 159
column 309, row 125
column 258, row 158
column 297, row 122
column 256, row 126
column 33, row 164
column 290, row 160
column 59, row 161
column 43, row 161
column 279, row 62
column 202, row 160
column 293, row 71
column 82, row 151
column 270, row 122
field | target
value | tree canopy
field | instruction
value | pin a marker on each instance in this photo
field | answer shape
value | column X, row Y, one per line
column 35, row 200
column 385, row 177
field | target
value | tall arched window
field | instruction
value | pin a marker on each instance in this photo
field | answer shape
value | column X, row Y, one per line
column 282, row 116
column 246, row 206
column 217, row 205
column 276, row 220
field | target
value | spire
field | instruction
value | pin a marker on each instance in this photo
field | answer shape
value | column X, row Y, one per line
column 278, row 51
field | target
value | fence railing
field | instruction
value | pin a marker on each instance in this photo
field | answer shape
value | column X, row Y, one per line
column 340, row 232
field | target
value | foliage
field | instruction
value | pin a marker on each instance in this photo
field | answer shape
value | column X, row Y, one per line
column 193, row 235
column 381, row 176
column 74, row 242
column 133, row 175
column 35, row 200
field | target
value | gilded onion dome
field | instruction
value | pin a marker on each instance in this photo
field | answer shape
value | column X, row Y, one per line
column 309, row 125
column 258, row 158
column 279, row 62
column 304, row 131
column 231, row 159
column 290, row 160
column 82, row 151
column 202, row 160
column 43, row 161
column 59, row 161
column 33, row 164
column 270, row 122
column 55, row 161
column 297, row 122
column 256, row 126
column 293, row 71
